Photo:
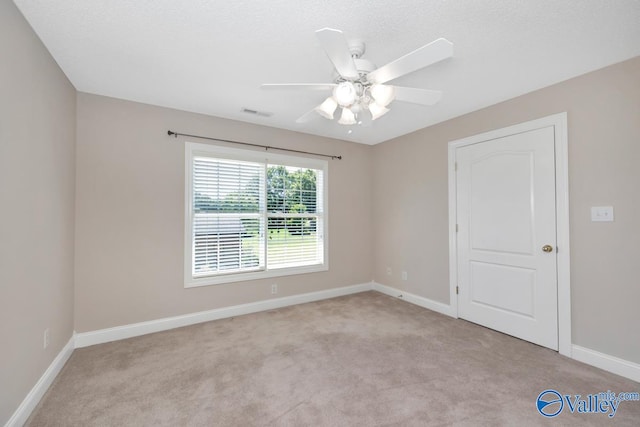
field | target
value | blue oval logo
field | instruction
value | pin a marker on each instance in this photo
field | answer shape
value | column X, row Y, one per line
column 549, row 403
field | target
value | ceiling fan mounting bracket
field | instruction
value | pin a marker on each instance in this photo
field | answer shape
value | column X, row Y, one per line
column 356, row 48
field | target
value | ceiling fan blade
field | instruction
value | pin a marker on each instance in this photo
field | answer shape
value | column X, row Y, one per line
column 307, row 117
column 299, row 86
column 422, row 57
column 337, row 49
column 417, row 96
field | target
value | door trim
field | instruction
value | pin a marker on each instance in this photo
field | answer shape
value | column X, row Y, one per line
column 559, row 123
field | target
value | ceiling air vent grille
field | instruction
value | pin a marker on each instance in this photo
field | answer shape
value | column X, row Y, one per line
column 256, row 112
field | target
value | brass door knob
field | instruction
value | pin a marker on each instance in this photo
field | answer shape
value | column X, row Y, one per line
column 547, row 248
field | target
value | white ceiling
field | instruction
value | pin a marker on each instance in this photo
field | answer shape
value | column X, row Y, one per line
column 211, row 56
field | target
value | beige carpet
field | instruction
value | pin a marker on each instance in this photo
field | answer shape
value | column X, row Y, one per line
column 360, row 360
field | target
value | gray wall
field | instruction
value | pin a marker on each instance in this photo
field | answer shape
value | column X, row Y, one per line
column 410, row 208
column 37, row 168
column 130, row 214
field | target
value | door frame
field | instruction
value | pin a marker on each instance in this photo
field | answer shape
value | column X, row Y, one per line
column 559, row 123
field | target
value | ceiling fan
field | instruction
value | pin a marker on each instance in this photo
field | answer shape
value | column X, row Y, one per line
column 359, row 87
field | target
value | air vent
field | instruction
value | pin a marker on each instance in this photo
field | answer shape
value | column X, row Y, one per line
column 256, row 112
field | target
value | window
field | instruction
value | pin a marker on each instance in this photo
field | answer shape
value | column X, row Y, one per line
column 252, row 215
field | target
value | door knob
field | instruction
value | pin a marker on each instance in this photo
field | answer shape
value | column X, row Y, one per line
column 547, row 248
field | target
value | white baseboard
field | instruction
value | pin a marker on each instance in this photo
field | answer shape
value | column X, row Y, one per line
column 86, row 339
column 415, row 299
column 27, row 406
column 606, row 362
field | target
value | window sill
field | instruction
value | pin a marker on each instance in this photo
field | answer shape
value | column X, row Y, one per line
column 191, row 282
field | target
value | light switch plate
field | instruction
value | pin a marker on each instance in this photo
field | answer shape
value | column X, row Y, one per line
column 602, row 213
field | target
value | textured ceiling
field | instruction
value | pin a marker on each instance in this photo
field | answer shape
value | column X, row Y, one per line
column 211, row 56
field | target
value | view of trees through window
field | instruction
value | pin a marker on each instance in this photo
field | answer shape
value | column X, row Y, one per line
column 289, row 190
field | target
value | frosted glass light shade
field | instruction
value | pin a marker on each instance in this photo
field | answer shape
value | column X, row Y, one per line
column 377, row 110
column 347, row 118
column 382, row 94
column 345, row 94
column 327, row 108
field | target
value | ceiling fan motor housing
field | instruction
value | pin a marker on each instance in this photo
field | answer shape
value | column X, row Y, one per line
column 364, row 67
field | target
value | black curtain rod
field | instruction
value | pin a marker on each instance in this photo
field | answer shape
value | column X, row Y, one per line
column 266, row 147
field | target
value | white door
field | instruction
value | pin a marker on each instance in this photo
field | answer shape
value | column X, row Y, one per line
column 506, row 239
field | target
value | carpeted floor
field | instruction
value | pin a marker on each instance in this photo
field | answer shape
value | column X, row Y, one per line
column 361, row 360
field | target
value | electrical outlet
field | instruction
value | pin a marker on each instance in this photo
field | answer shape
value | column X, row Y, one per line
column 404, row 275
column 274, row 288
column 389, row 271
column 47, row 338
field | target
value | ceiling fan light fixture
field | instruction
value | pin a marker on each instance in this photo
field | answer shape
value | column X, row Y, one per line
column 377, row 110
column 359, row 86
column 327, row 108
column 383, row 94
column 347, row 118
column 345, row 94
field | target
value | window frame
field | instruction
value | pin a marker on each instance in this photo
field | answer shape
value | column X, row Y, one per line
column 194, row 149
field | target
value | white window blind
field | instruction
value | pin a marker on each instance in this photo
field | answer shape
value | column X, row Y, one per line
column 250, row 218
column 227, row 223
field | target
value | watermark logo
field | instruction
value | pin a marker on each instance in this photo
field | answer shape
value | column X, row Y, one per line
column 550, row 403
